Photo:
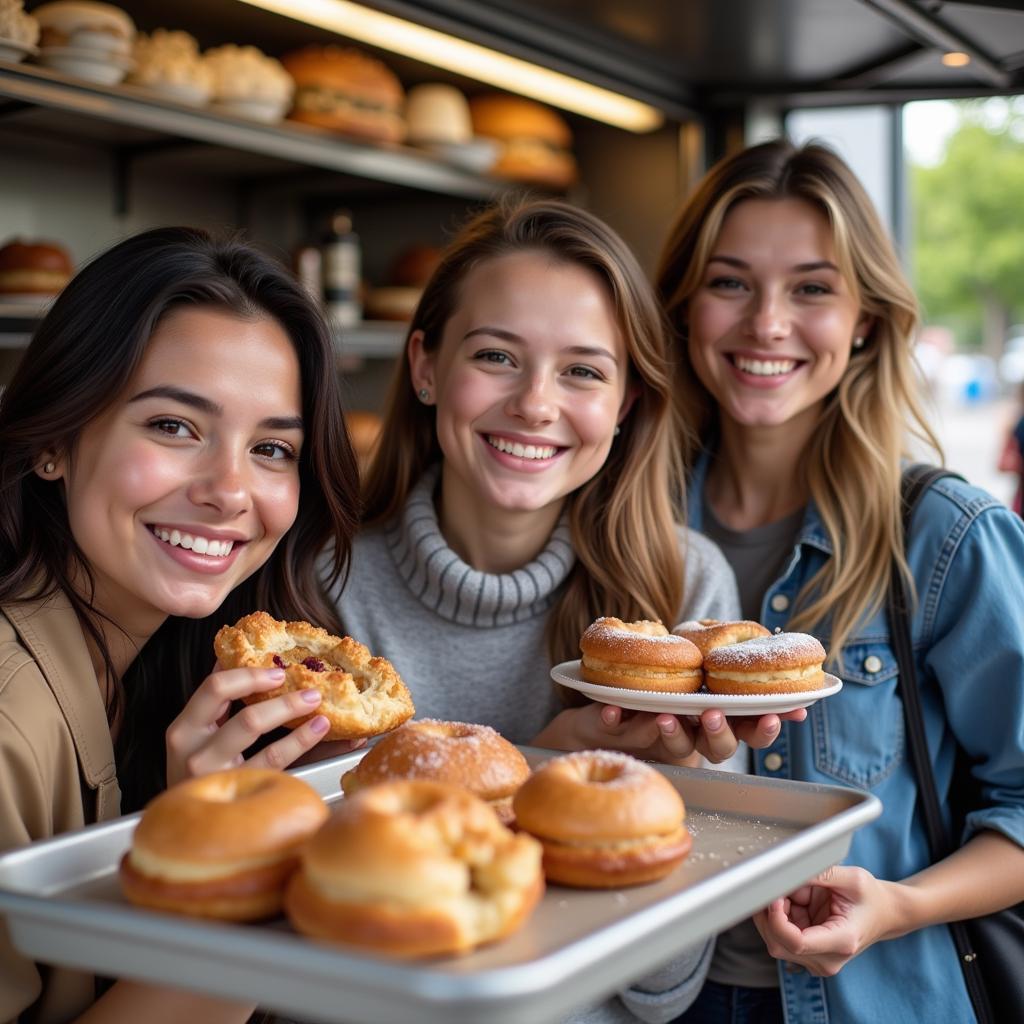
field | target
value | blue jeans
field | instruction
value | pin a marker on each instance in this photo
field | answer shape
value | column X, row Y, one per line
column 732, row 1004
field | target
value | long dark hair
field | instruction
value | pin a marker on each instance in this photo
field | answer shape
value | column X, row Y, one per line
column 79, row 361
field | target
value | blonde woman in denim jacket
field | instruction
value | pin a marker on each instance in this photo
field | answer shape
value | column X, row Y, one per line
column 797, row 392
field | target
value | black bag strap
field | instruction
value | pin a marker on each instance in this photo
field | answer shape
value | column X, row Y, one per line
column 916, row 481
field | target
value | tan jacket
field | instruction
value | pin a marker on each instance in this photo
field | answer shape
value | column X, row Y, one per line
column 56, row 774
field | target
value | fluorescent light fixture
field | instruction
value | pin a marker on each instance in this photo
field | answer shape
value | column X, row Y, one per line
column 955, row 59
column 498, row 69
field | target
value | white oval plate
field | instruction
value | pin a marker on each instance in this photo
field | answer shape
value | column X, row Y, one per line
column 568, row 674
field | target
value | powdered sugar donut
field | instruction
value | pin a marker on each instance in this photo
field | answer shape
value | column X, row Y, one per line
column 475, row 757
column 640, row 655
column 780, row 663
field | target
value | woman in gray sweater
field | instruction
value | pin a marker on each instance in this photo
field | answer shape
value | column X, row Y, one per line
column 526, row 482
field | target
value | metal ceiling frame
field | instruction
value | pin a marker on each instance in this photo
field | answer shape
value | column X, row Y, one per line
column 933, row 32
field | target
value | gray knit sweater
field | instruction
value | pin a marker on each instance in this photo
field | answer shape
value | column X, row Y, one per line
column 470, row 647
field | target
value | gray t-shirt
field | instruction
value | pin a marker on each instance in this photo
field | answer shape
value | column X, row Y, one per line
column 757, row 557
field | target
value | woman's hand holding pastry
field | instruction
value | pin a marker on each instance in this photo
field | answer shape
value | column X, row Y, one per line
column 206, row 737
column 826, row 923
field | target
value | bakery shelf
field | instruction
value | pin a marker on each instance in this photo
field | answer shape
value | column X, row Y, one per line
column 41, row 100
column 18, row 319
column 372, row 339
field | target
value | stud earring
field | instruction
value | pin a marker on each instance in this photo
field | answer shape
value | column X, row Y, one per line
column 617, row 431
column 49, row 467
column 424, row 394
column 858, row 342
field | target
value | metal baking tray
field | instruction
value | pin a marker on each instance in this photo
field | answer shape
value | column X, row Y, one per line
column 754, row 839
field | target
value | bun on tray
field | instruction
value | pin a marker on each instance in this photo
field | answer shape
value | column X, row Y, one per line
column 604, row 820
column 362, row 695
column 475, row 757
column 414, row 868
column 221, row 845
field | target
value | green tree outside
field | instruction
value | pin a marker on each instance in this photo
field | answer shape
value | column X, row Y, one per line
column 968, row 226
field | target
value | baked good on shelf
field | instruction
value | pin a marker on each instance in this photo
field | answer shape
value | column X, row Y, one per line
column 347, row 91
column 85, row 25
column 414, row 868
column 16, row 26
column 409, row 274
column 475, row 757
column 169, row 62
column 639, row 656
column 33, row 267
column 362, row 695
column 221, row 845
column 708, row 634
column 248, row 83
column 536, row 143
column 437, row 113
column 777, row 663
column 604, row 820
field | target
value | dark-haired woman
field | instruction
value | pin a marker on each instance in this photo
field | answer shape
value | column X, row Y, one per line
column 154, row 443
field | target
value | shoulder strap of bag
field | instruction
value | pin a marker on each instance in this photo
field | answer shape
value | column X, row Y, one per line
column 916, row 481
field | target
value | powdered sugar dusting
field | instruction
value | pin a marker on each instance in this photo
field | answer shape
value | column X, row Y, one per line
column 611, row 768
column 789, row 647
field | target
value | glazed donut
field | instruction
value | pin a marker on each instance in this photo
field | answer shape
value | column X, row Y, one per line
column 708, row 634
column 475, row 757
column 221, row 845
column 414, row 868
column 604, row 820
column 777, row 663
column 639, row 656
column 362, row 695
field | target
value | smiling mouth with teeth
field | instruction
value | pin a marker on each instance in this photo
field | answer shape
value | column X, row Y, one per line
column 764, row 367
column 522, row 451
column 200, row 545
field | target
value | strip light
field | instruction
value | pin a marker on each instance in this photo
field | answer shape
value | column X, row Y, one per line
column 499, row 69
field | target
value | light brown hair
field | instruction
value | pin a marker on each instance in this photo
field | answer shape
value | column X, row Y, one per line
column 852, row 465
column 622, row 520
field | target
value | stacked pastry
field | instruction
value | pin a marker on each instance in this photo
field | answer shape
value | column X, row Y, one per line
column 724, row 657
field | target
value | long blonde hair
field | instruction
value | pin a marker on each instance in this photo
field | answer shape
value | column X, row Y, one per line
column 623, row 519
column 852, row 465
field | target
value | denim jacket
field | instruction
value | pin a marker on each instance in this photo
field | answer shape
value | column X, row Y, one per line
column 966, row 553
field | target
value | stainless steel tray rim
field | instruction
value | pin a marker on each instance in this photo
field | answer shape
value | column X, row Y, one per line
column 536, row 976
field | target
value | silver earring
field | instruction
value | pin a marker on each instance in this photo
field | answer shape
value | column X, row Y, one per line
column 618, row 430
column 49, row 467
column 424, row 394
column 858, row 342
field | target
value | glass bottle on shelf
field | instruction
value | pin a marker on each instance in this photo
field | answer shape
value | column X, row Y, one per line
column 342, row 269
